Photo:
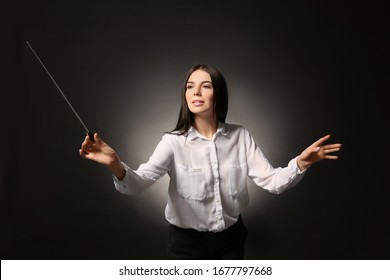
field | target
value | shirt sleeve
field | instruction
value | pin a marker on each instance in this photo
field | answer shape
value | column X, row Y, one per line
column 137, row 181
column 263, row 174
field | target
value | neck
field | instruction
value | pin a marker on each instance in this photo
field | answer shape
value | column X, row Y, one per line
column 206, row 127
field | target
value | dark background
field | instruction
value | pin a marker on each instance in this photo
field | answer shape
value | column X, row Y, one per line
column 295, row 70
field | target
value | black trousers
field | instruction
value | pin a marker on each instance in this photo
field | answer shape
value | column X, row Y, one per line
column 190, row 244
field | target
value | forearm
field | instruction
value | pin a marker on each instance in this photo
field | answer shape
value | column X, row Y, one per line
column 117, row 168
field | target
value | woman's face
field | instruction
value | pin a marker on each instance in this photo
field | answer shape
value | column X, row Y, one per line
column 199, row 94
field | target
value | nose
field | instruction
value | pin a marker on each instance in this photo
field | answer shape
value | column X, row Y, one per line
column 197, row 92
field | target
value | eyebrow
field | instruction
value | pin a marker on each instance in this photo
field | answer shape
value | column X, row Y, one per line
column 190, row 82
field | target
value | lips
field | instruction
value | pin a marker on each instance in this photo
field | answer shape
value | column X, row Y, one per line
column 198, row 102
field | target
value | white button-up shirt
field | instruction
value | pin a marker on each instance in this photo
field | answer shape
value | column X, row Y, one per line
column 208, row 178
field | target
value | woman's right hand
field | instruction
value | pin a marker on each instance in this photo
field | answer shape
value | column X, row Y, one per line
column 102, row 153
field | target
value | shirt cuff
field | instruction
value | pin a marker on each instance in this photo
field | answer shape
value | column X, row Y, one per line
column 294, row 162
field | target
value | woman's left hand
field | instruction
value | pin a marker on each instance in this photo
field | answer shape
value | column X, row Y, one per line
column 317, row 152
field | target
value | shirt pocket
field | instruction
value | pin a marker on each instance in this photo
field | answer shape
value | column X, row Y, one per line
column 236, row 180
column 191, row 182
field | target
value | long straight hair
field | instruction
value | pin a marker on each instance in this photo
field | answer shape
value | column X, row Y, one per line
column 220, row 99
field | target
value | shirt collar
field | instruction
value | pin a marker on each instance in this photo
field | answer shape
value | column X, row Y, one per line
column 193, row 133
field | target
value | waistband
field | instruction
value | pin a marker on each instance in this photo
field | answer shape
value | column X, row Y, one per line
column 235, row 227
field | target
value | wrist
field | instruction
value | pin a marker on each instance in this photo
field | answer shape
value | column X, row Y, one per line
column 117, row 168
column 302, row 165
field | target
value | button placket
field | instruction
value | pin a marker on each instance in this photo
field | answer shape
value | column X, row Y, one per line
column 217, row 194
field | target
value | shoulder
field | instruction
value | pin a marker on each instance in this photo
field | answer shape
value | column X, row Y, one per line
column 234, row 128
column 173, row 137
column 237, row 131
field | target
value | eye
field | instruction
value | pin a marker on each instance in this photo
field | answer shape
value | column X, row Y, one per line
column 189, row 86
column 208, row 86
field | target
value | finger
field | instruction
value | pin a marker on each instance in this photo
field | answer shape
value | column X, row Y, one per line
column 331, row 157
column 98, row 140
column 85, row 145
column 320, row 141
column 316, row 149
column 82, row 153
column 86, row 155
column 88, row 147
column 88, row 140
column 332, row 146
column 331, row 150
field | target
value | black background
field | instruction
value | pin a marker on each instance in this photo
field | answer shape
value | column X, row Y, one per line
column 296, row 70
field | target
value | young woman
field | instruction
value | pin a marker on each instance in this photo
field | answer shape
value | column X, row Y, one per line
column 208, row 161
